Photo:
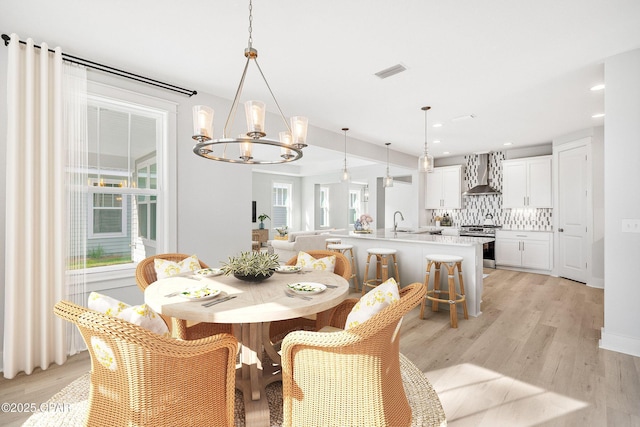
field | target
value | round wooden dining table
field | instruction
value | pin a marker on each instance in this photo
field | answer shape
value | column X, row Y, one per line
column 251, row 310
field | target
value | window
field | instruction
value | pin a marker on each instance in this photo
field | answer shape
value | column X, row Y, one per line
column 324, row 207
column 355, row 205
column 281, row 210
column 125, row 141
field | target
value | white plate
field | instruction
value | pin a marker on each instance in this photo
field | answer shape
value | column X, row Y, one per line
column 208, row 272
column 306, row 288
column 288, row 269
column 200, row 293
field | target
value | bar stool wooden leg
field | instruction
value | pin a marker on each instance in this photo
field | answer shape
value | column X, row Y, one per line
column 354, row 273
column 395, row 266
column 464, row 295
column 384, row 263
column 453, row 313
column 365, row 282
column 436, row 287
column 426, row 285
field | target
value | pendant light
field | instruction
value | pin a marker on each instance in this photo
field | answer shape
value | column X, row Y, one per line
column 251, row 147
column 425, row 163
column 388, row 180
column 346, row 176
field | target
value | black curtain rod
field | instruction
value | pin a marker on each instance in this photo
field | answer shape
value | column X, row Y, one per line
column 115, row 71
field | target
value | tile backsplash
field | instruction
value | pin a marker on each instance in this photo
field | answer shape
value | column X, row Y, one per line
column 476, row 208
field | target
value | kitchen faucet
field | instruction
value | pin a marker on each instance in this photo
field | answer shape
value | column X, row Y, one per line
column 395, row 224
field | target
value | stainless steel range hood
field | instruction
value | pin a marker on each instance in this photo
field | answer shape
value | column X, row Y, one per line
column 483, row 186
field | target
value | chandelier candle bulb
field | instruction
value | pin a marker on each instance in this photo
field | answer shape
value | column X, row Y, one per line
column 255, row 111
column 285, row 138
column 245, row 150
column 299, row 129
column 203, row 121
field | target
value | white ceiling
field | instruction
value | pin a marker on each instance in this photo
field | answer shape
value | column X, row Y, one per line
column 523, row 68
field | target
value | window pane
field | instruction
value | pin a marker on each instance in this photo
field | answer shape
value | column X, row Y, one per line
column 152, row 222
column 142, row 220
column 107, row 221
column 153, row 176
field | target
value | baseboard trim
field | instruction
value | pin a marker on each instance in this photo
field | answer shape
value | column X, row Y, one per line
column 619, row 343
column 596, row 282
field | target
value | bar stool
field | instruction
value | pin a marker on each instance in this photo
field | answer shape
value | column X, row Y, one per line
column 451, row 262
column 332, row 241
column 381, row 257
column 344, row 248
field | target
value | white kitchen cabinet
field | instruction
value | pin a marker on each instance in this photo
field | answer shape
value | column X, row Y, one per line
column 527, row 183
column 525, row 249
column 444, row 188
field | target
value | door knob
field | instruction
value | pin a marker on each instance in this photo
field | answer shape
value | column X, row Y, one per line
column 560, row 230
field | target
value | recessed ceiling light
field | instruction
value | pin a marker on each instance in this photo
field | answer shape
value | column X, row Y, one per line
column 597, row 116
column 598, row 87
column 508, row 143
column 465, row 117
column 437, row 125
column 446, row 152
column 437, row 141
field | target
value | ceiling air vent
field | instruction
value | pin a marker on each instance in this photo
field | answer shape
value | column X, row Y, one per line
column 398, row 68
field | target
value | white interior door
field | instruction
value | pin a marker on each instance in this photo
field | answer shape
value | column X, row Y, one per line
column 572, row 213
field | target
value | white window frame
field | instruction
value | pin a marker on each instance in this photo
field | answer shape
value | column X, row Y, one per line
column 95, row 187
column 146, row 164
column 357, row 203
column 289, row 202
column 166, row 220
column 325, row 217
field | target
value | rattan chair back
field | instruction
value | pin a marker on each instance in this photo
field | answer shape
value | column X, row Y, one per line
column 349, row 377
column 139, row 378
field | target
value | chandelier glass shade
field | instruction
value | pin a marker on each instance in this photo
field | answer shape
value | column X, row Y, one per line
column 253, row 147
column 425, row 162
column 388, row 179
column 346, row 176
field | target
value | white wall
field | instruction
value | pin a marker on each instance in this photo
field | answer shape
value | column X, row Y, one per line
column 621, row 177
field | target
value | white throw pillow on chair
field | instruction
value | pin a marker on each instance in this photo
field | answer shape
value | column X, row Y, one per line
column 141, row 315
column 165, row 268
column 327, row 263
column 373, row 302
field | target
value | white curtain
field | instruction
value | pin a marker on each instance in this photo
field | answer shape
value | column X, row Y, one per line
column 36, row 200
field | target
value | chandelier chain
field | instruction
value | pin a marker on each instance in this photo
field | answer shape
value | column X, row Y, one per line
column 250, row 23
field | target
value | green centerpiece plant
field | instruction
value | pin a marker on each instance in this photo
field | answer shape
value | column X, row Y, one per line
column 251, row 266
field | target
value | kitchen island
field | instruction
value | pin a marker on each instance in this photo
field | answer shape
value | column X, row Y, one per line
column 412, row 248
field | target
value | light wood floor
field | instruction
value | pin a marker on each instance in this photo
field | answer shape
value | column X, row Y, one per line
column 531, row 359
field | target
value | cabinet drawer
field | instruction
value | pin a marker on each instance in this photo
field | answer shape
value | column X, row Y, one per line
column 523, row 235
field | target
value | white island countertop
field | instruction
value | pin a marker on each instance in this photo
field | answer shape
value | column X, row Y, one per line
column 417, row 237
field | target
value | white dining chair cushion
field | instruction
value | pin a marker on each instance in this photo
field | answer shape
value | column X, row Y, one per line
column 373, row 302
column 141, row 315
column 165, row 268
column 104, row 353
column 307, row 261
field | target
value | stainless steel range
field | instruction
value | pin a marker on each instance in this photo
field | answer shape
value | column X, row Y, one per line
column 488, row 249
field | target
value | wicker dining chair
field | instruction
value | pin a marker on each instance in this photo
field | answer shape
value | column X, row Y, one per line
column 278, row 329
column 352, row 377
column 180, row 328
column 139, row 378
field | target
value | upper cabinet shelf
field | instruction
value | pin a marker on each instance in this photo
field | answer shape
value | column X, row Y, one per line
column 444, row 188
column 527, row 183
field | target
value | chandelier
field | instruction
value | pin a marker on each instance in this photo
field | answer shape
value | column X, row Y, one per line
column 346, row 176
column 388, row 180
column 425, row 162
column 252, row 147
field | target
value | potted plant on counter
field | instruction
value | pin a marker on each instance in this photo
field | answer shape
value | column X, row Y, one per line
column 251, row 266
column 262, row 217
